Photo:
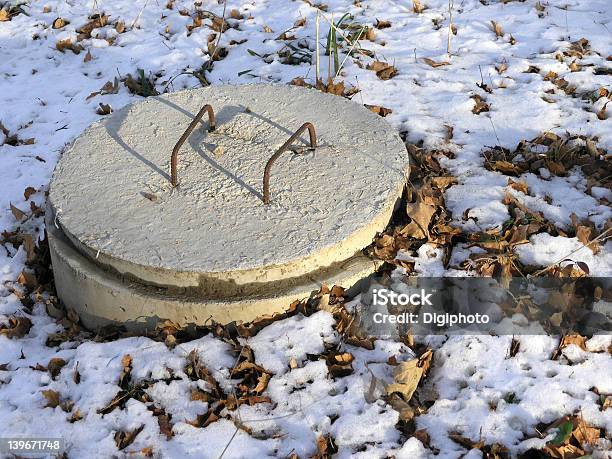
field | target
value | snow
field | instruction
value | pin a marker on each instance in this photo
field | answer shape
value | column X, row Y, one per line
column 274, row 348
column 544, row 249
column 44, row 96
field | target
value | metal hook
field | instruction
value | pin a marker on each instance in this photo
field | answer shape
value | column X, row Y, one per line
column 280, row 151
column 212, row 124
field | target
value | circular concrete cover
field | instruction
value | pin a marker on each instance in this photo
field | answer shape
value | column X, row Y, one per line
column 112, row 196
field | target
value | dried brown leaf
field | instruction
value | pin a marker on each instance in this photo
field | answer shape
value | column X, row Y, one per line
column 17, row 327
column 480, row 105
column 59, row 23
column 17, row 213
column 421, row 215
column 235, row 14
column 418, row 7
column 382, row 24
column 104, row 109
column 383, row 70
column 435, row 64
column 406, row 377
column 382, row 111
column 519, row 186
column 505, row 167
column 497, row 28
column 52, row 397
column 54, row 366
column 125, row 439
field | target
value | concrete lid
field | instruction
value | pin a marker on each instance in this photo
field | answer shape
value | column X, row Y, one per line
column 112, row 196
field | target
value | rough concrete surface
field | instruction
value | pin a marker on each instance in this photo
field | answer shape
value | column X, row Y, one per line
column 103, row 298
column 112, row 197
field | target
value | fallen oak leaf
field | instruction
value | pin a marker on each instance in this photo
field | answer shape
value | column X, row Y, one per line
column 382, row 111
column 28, row 280
column 165, row 427
column 60, row 23
column 52, row 397
column 584, row 235
column 76, row 416
column 125, row 439
column 568, row 340
column 67, row 43
column 466, row 442
column 339, row 365
column 556, row 168
column 235, row 14
column 505, row 167
column 408, row 375
column 255, row 399
column 418, row 7
column 480, row 105
column 435, row 64
column 17, row 327
column 443, row 182
column 104, row 109
column 262, row 383
column 497, row 28
column 518, row 186
column 54, row 366
column 585, row 434
column 387, row 73
column 383, row 70
column 601, row 114
column 17, row 213
column 29, row 191
column 421, row 215
column 382, row 24
column 406, row 412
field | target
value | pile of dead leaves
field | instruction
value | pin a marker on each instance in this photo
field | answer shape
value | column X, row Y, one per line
column 331, row 87
column 428, row 218
column 253, row 382
column 556, row 154
column 347, row 324
column 128, row 388
column 95, row 21
column 35, row 283
column 574, row 438
column 494, row 451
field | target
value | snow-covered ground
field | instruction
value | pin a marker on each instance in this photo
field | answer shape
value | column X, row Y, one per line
column 476, row 388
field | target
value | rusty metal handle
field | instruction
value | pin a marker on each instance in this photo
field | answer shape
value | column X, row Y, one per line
column 280, row 151
column 212, row 124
